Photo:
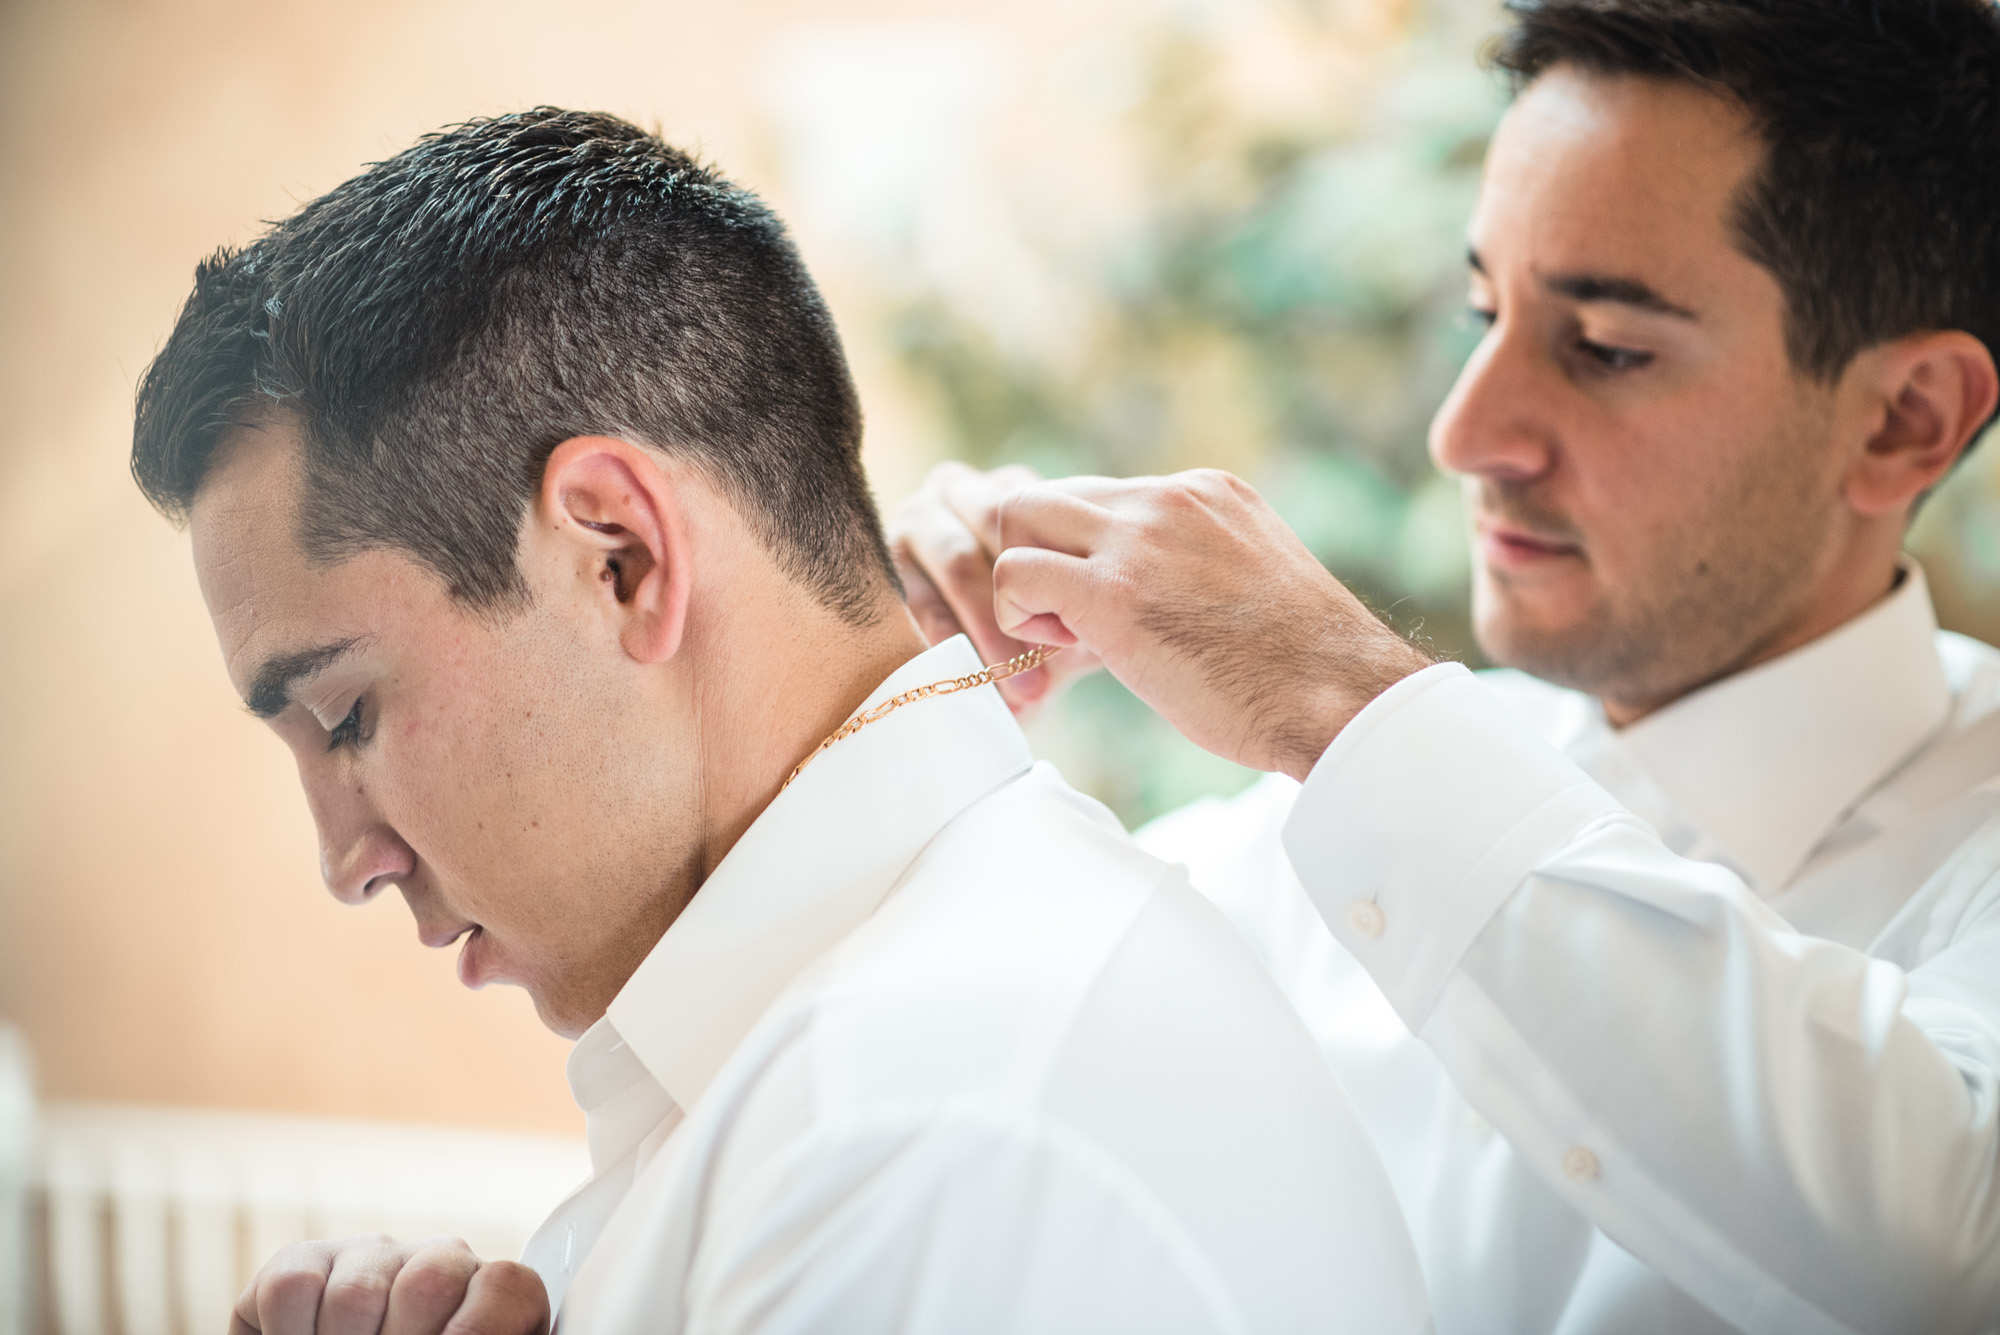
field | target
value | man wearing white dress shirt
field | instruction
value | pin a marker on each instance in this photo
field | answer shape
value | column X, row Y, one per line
column 523, row 477
column 1665, row 971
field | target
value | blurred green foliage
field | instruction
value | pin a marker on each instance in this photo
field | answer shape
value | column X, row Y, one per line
column 1957, row 537
column 1284, row 301
column 1284, row 298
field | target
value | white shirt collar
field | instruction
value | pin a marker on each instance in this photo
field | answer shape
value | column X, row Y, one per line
column 1767, row 762
column 810, row 868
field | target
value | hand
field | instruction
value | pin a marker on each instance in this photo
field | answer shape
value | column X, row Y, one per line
column 374, row 1285
column 1199, row 598
column 944, row 539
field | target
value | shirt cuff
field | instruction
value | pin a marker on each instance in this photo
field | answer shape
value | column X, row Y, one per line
column 1425, row 814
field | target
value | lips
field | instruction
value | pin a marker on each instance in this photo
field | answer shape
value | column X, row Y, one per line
column 1508, row 546
column 476, row 965
column 475, row 962
column 437, row 938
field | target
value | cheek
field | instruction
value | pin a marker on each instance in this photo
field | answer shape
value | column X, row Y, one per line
column 1708, row 499
column 1660, row 481
column 508, row 783
column 449, row 775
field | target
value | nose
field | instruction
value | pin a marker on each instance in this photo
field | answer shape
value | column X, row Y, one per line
column 358, row 868
column 1496, row 421
column 359, row 852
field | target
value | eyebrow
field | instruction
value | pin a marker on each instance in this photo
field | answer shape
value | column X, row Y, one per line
column 1589, row 287
column 271, row 689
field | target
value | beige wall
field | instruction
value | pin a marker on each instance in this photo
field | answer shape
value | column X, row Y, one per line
column 162, row 932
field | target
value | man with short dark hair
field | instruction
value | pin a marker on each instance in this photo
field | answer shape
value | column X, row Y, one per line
column 523, row 475
column 1690, row 1020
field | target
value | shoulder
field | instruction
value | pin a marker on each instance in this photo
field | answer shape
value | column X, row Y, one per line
column 1035, row 854
column 971, row 973
column 1045, row 1009
column 1215, row 834
column 1033, row 949
column 1963, row 754
column 1972, row 669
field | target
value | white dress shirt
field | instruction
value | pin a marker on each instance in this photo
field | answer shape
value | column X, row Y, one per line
column 955, row 1056
column 1706, row 1010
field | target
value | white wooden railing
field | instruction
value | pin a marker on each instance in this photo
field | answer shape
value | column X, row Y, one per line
column 17, row 1159
column 135, row 1220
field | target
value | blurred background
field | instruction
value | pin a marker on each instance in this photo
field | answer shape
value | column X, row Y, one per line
column 1090, row 235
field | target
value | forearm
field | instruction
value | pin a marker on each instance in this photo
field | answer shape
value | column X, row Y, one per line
column 1769, row 1120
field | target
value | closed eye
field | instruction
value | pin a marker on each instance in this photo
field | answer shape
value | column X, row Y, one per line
column 1613, row 358
column 348, row 731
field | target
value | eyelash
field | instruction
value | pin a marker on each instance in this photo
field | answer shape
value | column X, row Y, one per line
column 1613, row 358
column 1606, row 355
column 347, row 732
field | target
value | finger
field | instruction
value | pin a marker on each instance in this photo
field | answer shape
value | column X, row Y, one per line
column 975, row 497
column 1051, row 516
column 1038, row 593
column 504, row 1298
column 1077, row 660
column 284, row 1298
column 1103, row 491
column 933, row 614
column 937, row 623
column 961, row 572
column 357, row 1286
column 430, row 1287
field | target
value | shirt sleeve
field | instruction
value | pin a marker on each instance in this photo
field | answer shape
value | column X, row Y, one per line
column 949, row 1224
column 1799, row 1135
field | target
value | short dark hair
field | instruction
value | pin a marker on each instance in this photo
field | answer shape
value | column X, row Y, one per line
column 437, row 325
column 1877, row 208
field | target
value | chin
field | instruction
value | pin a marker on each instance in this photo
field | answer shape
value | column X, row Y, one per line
column 560, row 1015
column 1515, row 619
column 1557, row 644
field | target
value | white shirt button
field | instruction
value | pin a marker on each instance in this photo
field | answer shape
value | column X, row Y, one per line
column 1579, row 1164
column 1365, row 917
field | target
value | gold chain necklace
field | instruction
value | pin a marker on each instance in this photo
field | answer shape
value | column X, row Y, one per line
column 1013, row 667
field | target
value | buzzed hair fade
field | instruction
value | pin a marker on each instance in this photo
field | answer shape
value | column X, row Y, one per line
column 438, row 324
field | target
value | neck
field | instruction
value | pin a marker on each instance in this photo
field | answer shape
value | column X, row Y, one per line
column 769, row 698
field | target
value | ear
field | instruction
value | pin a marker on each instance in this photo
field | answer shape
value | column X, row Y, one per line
column 1930, row 394
column 611, row 516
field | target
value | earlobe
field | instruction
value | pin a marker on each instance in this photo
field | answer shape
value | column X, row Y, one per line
column 614, row 516
column 1933, row 392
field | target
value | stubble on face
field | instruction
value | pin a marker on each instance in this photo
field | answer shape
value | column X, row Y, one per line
column 1710, row 590
column 1657, row 517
